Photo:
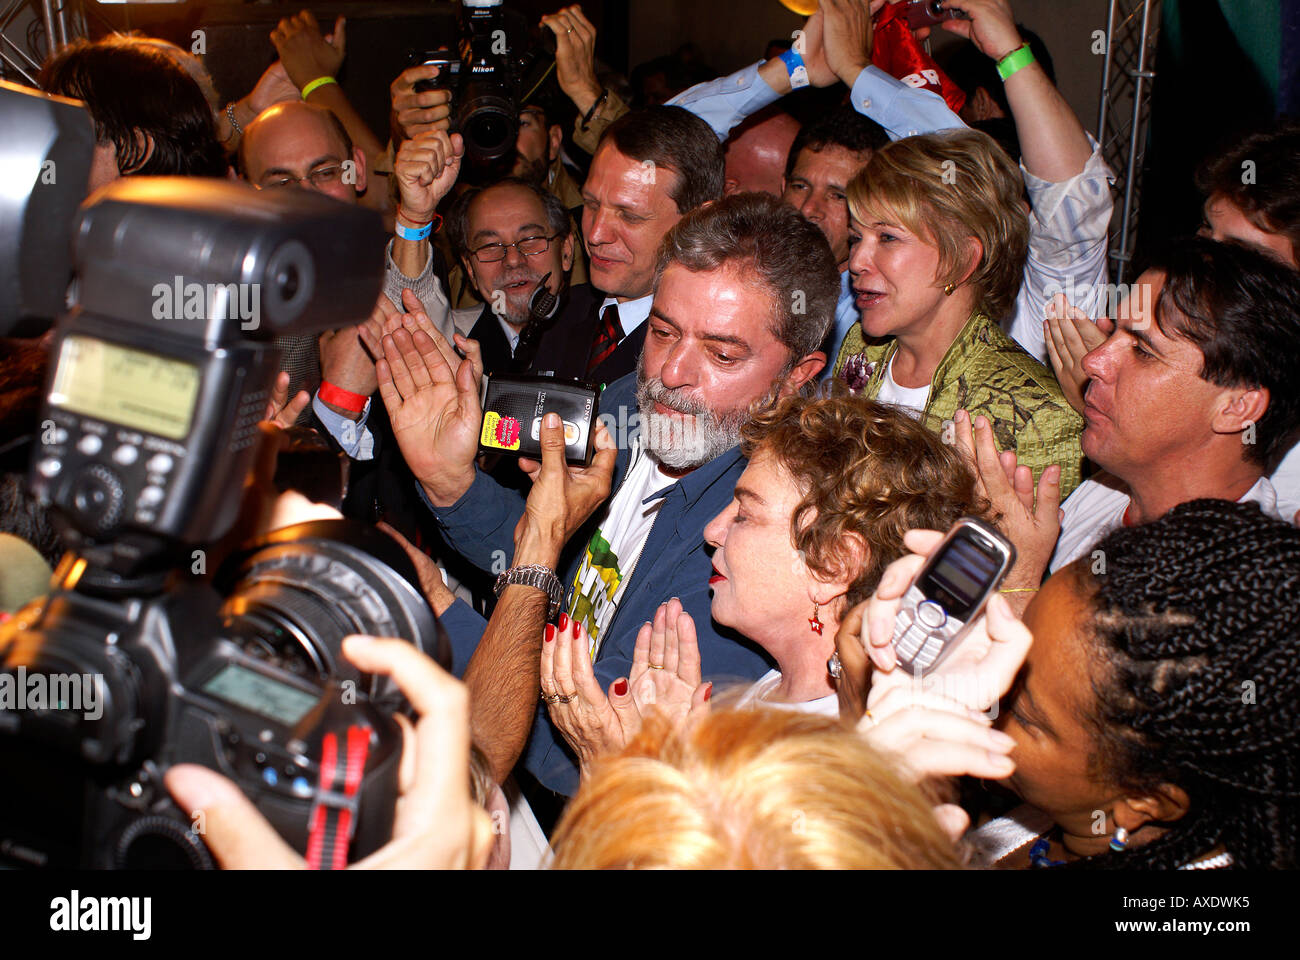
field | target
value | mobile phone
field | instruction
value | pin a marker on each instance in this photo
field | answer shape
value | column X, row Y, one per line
column 949, row 593
column 513, row 407
column 926, row 13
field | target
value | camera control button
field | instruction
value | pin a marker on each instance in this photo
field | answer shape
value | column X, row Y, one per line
column 301, row 787
column 126, row 455
column 151, row 496
column 49, row 467
column 270, row 776
column 931, row 614
column 159, row 463
column 90, row 444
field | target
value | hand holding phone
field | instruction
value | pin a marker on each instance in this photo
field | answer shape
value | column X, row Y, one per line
column 949, row 592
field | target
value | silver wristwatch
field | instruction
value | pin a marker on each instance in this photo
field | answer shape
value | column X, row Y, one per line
column 534, row 575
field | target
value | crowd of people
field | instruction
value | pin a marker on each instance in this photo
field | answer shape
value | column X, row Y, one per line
column 820, row 340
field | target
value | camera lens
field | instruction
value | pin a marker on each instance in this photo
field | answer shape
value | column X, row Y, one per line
column 489, row 122
column 303, row 589
column 287, row 281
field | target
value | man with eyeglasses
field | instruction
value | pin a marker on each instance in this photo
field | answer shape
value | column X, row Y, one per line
column 511, row 236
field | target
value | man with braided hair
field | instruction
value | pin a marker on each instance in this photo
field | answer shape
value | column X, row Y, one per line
column 1193, row 395
column 1155, row 718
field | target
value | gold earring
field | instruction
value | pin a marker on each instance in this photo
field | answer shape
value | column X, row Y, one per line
column 948, row 289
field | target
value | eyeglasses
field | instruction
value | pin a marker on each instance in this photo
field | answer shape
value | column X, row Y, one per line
column 322, row 176
column 528, row 246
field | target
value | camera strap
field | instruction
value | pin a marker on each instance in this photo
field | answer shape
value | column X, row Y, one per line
column 334, row 811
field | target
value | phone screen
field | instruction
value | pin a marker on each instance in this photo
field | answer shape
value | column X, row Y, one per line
column 960, row 576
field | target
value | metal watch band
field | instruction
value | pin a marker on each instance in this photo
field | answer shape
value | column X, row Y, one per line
column 534, row 575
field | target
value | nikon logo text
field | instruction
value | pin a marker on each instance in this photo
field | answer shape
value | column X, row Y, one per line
column 179, row 300
column 76, row 913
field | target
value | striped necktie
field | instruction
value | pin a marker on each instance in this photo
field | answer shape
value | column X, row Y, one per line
column 608, row 335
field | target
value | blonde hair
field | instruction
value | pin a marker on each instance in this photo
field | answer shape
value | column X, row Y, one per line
column 750, row 789
column 949, row 187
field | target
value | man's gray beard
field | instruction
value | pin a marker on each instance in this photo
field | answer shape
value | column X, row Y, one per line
column 687, row 442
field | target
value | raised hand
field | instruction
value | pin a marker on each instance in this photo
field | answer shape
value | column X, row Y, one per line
column 426, row 168
column 846, row 37
column 575, row 56
column 415, row 113
column 280, row 410
column 1032, row 523
column 305, row 53
column 1070, row 335
column 665, row 672
column 991, row 27
column 272, row 87
column 435, row 412
column 591, row 722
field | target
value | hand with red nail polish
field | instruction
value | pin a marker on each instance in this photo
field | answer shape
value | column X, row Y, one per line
column 592, row 723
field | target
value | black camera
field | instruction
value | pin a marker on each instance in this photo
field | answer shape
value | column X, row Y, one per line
column 488, row 77
column 139, row 658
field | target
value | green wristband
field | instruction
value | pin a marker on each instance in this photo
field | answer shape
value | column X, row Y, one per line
column 1022, row 56
column 320, row 82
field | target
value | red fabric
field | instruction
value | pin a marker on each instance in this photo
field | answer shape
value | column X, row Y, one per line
column 896, row 51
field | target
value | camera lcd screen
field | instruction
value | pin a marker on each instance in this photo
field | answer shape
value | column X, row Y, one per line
column 958, row 580
column 260, row 694
column 139, row 390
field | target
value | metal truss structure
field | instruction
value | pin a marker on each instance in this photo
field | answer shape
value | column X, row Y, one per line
column 1132, row 29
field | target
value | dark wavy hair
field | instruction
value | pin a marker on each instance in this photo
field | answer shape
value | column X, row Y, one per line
column 1241, row 309
column 135, row 88
column 1270, row 195
column 1197, row 680
column 864, row 467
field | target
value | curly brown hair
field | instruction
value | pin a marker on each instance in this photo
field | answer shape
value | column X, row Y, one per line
column 864, row 467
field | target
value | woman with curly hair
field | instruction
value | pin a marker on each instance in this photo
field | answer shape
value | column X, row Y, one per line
column 832, row 485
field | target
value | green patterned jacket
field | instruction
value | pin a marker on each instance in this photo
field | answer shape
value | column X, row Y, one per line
column 987, row 372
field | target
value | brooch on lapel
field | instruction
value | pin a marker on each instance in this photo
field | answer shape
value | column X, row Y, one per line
column 856, row 372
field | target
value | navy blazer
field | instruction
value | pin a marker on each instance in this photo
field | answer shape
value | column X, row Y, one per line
column 675, row 562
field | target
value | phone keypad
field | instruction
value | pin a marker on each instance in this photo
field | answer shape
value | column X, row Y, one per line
column 921, row 631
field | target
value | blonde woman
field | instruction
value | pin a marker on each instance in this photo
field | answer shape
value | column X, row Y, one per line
column 938, row 246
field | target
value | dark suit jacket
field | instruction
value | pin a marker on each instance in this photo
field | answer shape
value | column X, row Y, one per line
column 565, row 347
column 675, row 562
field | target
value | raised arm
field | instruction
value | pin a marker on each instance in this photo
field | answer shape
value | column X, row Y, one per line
column 1053, row 144
column 502, row 675
column 307, row 57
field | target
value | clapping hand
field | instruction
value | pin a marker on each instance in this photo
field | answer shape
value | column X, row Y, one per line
column 1070, row 335
column 1030, row 519
column 432, row 399
column 305, row 53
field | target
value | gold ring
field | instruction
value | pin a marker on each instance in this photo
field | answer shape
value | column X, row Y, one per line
column 560, row 698
column 655, row 666
column 867, row 715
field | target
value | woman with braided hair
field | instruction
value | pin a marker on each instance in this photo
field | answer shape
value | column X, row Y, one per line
column 1156, row 716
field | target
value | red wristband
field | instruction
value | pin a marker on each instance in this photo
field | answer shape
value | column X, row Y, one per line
column 353, row 402
column 436, row 219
